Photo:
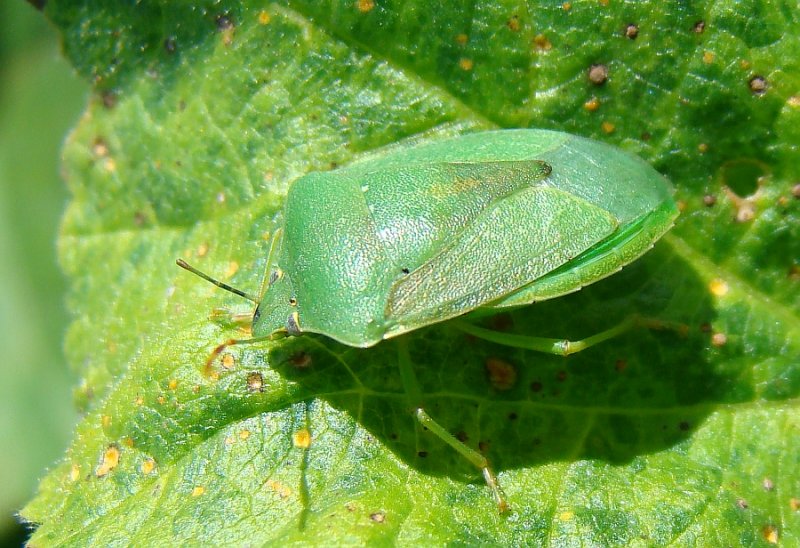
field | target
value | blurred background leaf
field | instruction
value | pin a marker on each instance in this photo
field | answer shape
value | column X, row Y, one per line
column 40, row 98
column 203, row 115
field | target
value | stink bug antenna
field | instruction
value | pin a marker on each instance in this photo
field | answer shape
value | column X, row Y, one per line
column 183, row 264
column 273, row 246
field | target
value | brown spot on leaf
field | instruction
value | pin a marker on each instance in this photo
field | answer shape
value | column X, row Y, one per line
column 502, row 375
column 631, row 31
column 598, row 74
column 300, row 360
column 378, row 517
column 255, row 382
column 758, row 85
column 542, row 43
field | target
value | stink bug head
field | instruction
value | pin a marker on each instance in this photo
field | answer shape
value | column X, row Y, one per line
column 277, row 311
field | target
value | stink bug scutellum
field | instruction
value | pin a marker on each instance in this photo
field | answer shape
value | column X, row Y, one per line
column 425, row 234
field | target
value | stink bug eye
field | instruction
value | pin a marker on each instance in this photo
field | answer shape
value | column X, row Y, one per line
column 480, row 222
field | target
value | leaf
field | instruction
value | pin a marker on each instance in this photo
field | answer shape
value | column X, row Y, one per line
column 203, row 117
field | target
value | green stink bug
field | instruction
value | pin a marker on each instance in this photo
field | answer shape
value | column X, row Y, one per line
column 483, row 221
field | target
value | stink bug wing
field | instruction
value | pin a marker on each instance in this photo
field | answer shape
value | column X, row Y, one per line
column 626, row 245
column 418, row 208
column 519, row 239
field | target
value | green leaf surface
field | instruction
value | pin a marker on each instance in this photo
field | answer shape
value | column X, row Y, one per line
column 202, row 118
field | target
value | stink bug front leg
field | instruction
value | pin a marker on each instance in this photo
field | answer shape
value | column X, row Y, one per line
column 230, row 342
column 229, row 317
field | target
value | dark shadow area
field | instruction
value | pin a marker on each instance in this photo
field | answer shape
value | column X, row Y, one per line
column 640, row 393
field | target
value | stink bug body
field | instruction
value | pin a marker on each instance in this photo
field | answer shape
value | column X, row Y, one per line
column 425, row 234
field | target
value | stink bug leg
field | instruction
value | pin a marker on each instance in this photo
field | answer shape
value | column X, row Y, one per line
column 231, row 342
column 415, row 396
column 234, row 318
column 564, row 347
column 225, row 316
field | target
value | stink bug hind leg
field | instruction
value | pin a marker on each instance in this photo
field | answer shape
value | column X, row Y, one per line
column 564, row 347
column 415, row 396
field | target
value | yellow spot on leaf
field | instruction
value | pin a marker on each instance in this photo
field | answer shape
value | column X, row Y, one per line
column 719, row 339
column 542, row 42
column 462, row 39
column 233, row 268
column 244, row 434
column 139, row 400
column 263, row 18
column 105, row 420
column 199, row 490
column 280, row 489
column 110, row 165
column 74, row 472
column 109, row 461
column 718, row 287
column 702, row 148
column 708, row 57
column 770, row 533
column 794, row 504
column 173, row 384
column 794, row 101
column 128, row 441
column 592, row 104
column 148, row 465
column 302, row 438
column 228, row 361
column 365, row 6
column 100, row 148
column 465, row 64
column 566, row 6
column 566, row 516
column 607, row 127
column 202, row 249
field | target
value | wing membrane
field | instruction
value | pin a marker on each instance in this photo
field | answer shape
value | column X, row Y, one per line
column 517, row 240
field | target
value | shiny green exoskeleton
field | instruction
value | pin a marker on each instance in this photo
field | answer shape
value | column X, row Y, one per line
column 493, row 219
column 425, row 234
